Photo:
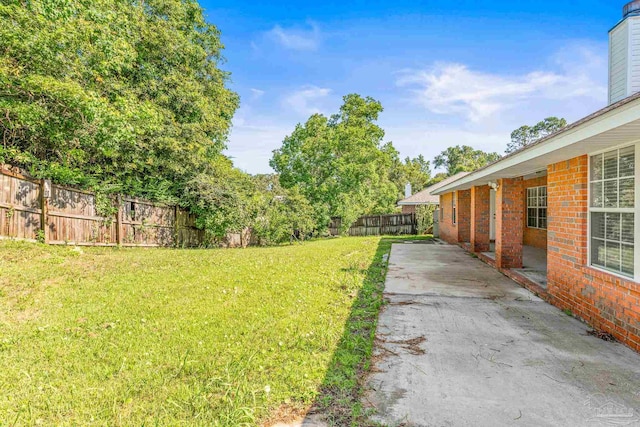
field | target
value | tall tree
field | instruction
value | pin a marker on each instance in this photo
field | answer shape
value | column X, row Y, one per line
column 526, row 135
column 416, row 171
column 340, row 163
column 123, row 93
column 463, row 158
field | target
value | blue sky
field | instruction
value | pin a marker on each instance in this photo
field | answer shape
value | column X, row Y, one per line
column 447, row 73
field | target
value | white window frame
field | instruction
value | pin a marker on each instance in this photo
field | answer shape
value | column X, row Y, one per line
column 453, row 207
column 635, row 210
column 538, row 207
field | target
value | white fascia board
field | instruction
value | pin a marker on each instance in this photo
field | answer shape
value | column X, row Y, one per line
column 416, row 203
column 571, row 138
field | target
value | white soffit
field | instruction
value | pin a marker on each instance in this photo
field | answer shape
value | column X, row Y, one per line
column 605, row 129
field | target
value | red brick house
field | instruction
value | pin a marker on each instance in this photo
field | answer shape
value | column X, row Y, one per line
column 424, row 197
column 559, row 216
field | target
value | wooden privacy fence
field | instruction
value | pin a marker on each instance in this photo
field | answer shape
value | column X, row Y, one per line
column 378, row 225
column 38, row 210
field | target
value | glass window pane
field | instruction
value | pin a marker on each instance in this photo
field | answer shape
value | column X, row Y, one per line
column 612, row 258
column 597, row 200
column 596, row 167
column 611, row 164
column 627, row 228
column 597, row 252
column 627, row 161
column 531, row 218
column 612, row 226
column 543, row 191
column 612, row 232
column 627, row 259
column 597, row 225
column 542, row 223
column 627, row 196
column 611, row 194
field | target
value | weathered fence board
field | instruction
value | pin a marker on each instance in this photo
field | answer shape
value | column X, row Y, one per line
column 20, row 206
column 145, row 223
column 377, row 225
column 188, row 235
column 72, row 219
column 334, row 226
column 35, row 209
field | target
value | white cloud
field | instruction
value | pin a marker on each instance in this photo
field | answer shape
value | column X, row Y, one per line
column 256, row 93
column 307, row 100
column 456, row 89
column 295, row 38
column 571, row 83
column 258, row 130
column 250, row 146
column 431, row 139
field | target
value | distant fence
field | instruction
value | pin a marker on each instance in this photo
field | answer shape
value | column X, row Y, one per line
column 35, row 209
column 377, row 225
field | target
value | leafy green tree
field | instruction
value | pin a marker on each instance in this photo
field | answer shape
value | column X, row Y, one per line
column 285, row 214
column 340, row 163
column 224, row 200
column 121, row 94
column 526, row 135
column 416, row 171
column 437, row 178
column 463, row 158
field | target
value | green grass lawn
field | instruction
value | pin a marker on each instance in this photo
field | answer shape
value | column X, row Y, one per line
column 108, row 336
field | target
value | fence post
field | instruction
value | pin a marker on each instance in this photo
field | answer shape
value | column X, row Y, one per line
column 45, row 194
column 119, row 236
column 414, row 221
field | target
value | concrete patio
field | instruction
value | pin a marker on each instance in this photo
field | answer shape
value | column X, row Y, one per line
column 461, row 344
column 534, row 262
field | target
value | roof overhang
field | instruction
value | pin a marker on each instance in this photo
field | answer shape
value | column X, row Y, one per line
column 417, row 203
column 616, row 125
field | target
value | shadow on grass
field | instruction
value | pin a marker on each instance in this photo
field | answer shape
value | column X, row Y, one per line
column 340, row 399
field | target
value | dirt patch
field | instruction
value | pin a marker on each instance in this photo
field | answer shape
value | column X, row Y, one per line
column 412, row 346
column 605, row 336
column 285, row 415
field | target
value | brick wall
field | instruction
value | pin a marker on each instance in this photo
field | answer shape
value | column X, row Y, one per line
column 603, row 300
column 480, row 218
column 464, row 216
column 509, row 213
column 533, row 236
column 448, row 230
column 409, row 209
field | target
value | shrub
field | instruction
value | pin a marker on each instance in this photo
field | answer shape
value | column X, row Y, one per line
column 424, row 218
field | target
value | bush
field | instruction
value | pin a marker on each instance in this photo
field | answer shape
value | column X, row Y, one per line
column 424, row 218
column 285, row 215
